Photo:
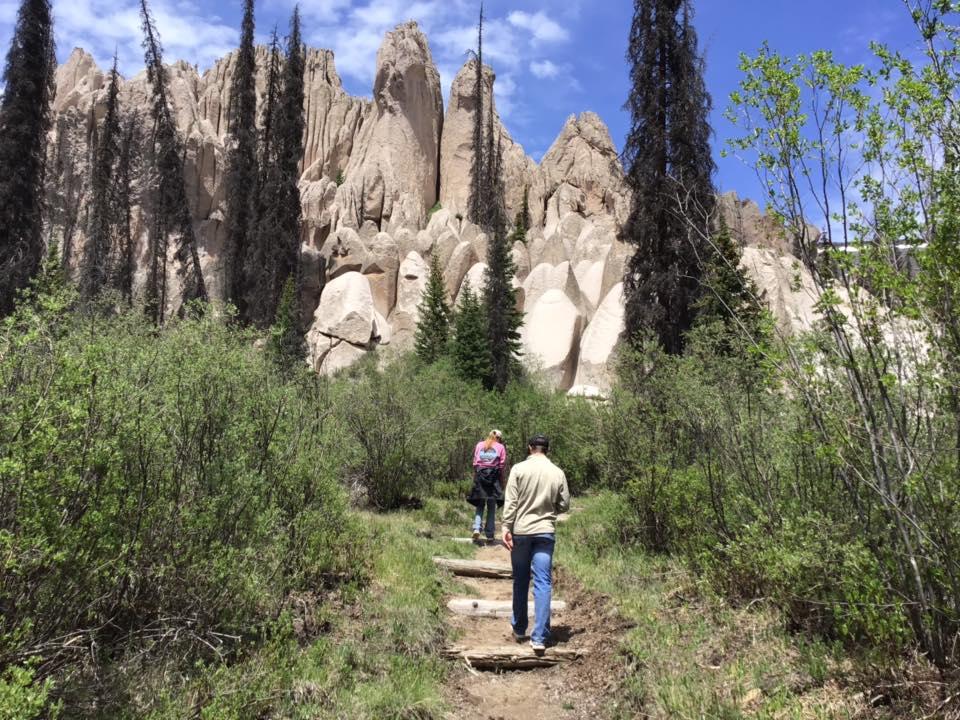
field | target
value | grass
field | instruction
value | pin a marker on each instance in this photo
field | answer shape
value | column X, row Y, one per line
column 690, row 654
column 370, row 653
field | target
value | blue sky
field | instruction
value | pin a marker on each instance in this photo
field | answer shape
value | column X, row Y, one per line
column 552, row 58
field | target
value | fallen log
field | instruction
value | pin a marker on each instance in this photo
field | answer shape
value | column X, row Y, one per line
column 494, row 608
column 475, row 568
column 511, row 657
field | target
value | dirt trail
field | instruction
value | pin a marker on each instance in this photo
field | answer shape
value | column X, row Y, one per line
column 570, row 690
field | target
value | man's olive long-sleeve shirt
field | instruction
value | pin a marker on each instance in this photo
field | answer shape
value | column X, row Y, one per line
column 537, row 492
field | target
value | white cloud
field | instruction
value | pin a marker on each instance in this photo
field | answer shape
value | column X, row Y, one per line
column 190, row 30
column 539, row 25
column 186, row 30
column 319, row 10
column 544, row 69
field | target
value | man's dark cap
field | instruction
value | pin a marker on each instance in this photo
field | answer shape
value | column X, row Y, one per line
column 541, row 441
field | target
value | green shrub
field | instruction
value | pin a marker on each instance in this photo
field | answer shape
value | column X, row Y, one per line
column 22, row 698
column 158, row 489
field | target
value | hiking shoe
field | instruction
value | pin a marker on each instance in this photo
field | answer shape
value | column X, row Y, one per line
column 520, row 638
column 491, row 541
column 537, row 646
column 476, row 536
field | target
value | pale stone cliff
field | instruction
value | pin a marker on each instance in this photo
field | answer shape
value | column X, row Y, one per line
column 373, row 174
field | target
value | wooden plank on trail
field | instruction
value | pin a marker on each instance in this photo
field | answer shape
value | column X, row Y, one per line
column 494, row 608
column 475, row 568
column 481, row 543
column 511, row 657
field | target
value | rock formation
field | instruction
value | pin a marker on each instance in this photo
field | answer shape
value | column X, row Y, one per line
column 373, row 173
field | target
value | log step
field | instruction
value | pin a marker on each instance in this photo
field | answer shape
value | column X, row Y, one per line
column 494, row 608
column 475, row 568
column 511, row 657
column 471, row 541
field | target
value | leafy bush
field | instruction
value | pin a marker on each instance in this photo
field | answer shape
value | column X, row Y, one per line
column 713, row 459
column 161, row 490
column 21, row 698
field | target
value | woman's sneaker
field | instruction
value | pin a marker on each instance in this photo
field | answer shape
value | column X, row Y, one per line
column 537, row 645
column 476, row 536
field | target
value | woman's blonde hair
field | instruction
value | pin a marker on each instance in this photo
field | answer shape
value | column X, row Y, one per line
column 491, row 439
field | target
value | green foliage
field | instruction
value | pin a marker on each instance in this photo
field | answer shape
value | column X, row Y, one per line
column 731, row 298
column 436, row 208
column 471, row 351
column 722, row 659
column 433, row 329
column 286, row 343
column 503, row 318
column 708, row 431
column 22, row 698
column 342, row 178
column 160, row 492
column 871, row 151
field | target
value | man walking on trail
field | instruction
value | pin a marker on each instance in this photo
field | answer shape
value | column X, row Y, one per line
column 536, row 493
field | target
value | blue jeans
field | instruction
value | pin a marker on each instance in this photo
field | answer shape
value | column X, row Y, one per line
column 491, row 519
column 532, row 553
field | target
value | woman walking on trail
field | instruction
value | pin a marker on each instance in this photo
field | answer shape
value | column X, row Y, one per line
column 489, row 459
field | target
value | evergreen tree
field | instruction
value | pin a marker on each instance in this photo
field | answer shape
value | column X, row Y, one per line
column 95, row 270
column 291, row 124
column 503, row 318
column 25, row 119
column 477, row 211
column 276, row 252
column 521, row 223
column 66, row 186
column 729, row 296
column 669, row 171
column 242, row 171
column 270, row 107
column 433, row 330
column 128, row 162
column 471, row 353
column 494, row 190
column 286, row 343
column 171, row 211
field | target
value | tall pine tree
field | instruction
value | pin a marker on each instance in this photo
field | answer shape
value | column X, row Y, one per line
column 275, row 251
column 242, row 169
column 128, row 166
column 290, row 128
column 171, row 211
column 25, row 119
column 499, row 296
column 669, row 171
column 477, row 211
column 433, row 330
column 95, row 268
column 487, row 209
